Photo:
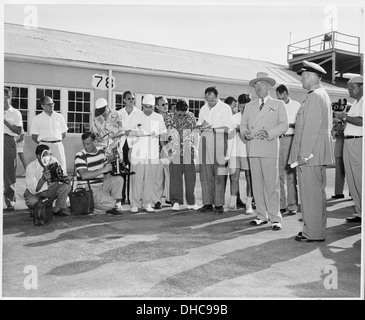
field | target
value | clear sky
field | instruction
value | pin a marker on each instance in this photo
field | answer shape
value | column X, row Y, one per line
column 259, row 30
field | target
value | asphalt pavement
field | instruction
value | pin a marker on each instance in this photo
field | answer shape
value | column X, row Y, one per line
column 180, row 255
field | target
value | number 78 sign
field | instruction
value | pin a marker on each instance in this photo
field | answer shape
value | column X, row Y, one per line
column 103, row 82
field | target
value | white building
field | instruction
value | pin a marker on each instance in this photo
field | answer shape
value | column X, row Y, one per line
column 75, row 70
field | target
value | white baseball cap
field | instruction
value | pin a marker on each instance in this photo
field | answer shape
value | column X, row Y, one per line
column 149, row 99
column 100, row 103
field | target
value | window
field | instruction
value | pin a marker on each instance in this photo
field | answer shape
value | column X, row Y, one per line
column 19, row 101
column 195, row 106
column 78, row 115
column 54, row 94
column 119, row 103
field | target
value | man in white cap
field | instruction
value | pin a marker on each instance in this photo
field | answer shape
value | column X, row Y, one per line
column 49, row 127
column 352, row 150
column 145, row 155
column 263, row 121
column 312, row 150
column 107, row 126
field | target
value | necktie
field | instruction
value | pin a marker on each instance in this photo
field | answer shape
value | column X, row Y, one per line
column 262, row 104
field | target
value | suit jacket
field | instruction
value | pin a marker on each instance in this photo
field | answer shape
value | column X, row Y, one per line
column 272, row 118
column 313, row 129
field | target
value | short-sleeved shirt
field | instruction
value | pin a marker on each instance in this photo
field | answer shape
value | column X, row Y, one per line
column 112, row 124
column 148, row 147
column 181, row 129
column 90, row 161
column 49, row 128
column 355, row 111
column 14, row 117
column 130, row 122
column 292, row 108
column 218, row 116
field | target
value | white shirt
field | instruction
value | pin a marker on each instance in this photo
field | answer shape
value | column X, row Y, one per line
column 130, row 122
column 218, row 116
column 49, row 128
column 148, row 147
column 239, row 148
column 355, row 111
column 292, row 108
column 33, row 174
column 14, row 117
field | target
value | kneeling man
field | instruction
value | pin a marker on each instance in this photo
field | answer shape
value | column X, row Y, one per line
column 39, row 184
column 92, row 163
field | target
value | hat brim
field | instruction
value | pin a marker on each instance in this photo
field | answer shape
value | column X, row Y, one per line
column 268, row 79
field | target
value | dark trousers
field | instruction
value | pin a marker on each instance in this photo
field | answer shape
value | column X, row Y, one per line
column 213, row 167
column 176, row 182
column 127, row 162
column 9, row 169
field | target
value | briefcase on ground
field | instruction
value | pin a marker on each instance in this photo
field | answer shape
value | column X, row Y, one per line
column 81, row 200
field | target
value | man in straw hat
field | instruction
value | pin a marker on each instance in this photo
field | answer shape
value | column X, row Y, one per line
column 352, row 151
column 312, row 151
column 263, row 121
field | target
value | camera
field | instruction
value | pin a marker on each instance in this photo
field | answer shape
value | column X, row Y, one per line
column 54, row 168
column 119, row 168
column 56, row 172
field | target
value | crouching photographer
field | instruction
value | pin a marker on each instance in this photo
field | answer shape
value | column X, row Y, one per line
column 92, row 163
column 45, row 180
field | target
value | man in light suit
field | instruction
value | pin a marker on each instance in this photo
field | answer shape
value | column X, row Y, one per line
column 263, row 121
column 312, row 138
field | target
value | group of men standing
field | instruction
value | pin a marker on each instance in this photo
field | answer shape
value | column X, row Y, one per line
column 283, row 138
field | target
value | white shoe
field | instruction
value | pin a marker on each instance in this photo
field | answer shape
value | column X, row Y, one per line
column 249, row 205
column 149, row 208
column 176, row 207
column 193, row 207
column 119, row 206
column 232, row 203
column 134, row 209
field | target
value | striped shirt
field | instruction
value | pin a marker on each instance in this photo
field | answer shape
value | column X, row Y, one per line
column 90, row 161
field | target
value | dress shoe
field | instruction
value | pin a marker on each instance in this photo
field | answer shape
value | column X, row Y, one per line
column 218, row 210
column 354, row 219
column 206, row 208
column 257, row 222
column 193, row 207
column 60, row 213
column 168, row 202
column 149, row 208
column 114, row 212
column 240, row 204
column 10, row 208
column 276, row 226
column 292, row 212
column 338, row 196
column 301, row 238
column 176, row 206
column 282, row 210
column 158, row 205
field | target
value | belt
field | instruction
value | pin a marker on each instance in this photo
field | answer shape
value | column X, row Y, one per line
column 286, row 135
column 352, row 137
column 55, row 141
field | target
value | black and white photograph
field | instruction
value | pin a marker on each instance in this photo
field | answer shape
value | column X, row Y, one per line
column 174, row 151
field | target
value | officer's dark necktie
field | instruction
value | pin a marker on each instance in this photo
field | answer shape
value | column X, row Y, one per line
column 262, row 104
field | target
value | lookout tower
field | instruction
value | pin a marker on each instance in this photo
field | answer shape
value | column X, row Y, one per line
column 336, row 52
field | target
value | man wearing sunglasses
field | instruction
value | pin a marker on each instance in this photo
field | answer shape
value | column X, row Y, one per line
column 162, row 185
